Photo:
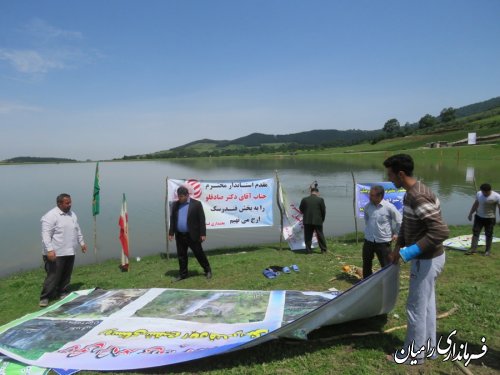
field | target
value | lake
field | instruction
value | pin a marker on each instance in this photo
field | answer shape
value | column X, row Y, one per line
column 28, row 191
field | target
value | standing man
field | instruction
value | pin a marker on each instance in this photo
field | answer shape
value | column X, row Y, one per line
column 420, row 240
column 187, row 222
column 314, row 212
column 382, row 223
column 61, row 236
column 484, row 206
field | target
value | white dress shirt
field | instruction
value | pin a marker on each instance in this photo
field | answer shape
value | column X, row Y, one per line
column 61, row 232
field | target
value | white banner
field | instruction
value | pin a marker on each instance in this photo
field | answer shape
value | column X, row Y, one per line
column 230, row 204
column 293, row 227
column 471, row 139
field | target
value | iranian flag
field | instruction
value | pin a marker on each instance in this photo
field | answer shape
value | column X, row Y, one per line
column 123, row 224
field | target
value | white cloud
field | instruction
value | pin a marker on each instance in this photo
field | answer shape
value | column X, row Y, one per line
column 42, row 31
column 30, row 61
column 9, row 107
column 48, row 48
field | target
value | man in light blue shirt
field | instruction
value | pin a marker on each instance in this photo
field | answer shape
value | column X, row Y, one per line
column 382, row 220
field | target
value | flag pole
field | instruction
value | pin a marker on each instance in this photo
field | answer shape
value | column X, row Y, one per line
column 128, row 240
column 166, row 218
column 278, row 190
column 354, row 205
column 95, row 237
column 96, row 206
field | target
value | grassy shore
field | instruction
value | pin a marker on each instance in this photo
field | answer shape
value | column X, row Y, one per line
column 466, row 293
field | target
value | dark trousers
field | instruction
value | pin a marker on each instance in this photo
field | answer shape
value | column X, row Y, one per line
column 479, row 223
column 183, row 242
column 370, row 248
column 58, row 276
column 309, row 230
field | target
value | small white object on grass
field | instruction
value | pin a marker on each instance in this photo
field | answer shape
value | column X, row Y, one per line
column 138, row 259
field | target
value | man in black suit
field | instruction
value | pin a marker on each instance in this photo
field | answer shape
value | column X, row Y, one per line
column 314, row 212
column 187, row 222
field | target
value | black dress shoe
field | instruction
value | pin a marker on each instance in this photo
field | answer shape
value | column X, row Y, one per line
column 208, row 275
column 179, row 278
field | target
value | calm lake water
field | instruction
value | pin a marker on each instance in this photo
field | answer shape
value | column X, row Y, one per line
column 28, row 191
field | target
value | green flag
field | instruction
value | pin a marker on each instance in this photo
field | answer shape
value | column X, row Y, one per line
column 95, row 199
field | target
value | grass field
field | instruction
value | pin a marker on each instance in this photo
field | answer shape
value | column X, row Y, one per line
column 467, row 291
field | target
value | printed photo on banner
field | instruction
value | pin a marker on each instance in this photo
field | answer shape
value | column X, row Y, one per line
column 230, row 203
column 127, row 328
column 392, row 194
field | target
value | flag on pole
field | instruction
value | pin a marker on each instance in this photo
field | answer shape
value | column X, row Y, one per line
column 95, row 199
column 123, row 224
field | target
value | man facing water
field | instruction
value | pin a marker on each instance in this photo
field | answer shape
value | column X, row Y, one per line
column 61, row 236
column 420, row 241
column 313, row 210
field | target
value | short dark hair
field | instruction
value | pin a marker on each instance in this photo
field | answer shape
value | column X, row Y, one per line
column 314, row 190
column 182, row 191
column 400, row 162
column 378, row 189
column 62, row 196
column 485, row 187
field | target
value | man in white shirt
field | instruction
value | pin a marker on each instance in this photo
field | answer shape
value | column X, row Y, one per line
column 61, row 236
column 382, row 223
column 485, row 207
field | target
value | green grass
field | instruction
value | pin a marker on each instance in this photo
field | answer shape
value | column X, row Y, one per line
column 469, row 284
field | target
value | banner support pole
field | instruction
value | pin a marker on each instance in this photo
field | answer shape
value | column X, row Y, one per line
column 354, row 206
column 278, row 191
column 166, row 218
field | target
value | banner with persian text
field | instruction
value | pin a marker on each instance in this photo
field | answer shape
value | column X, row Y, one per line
column 230, row 204
column 125, row 329
column 392, row 194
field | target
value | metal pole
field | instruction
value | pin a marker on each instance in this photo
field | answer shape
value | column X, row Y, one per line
column 354, row 205
column 95, row 237
column 278, row 191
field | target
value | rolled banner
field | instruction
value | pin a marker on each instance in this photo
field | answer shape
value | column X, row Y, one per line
column 410, row 252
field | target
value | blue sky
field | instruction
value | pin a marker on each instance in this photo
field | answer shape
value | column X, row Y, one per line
column 92, row 79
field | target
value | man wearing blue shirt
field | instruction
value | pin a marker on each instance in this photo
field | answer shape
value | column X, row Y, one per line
column 187, row 222
column 382, row 223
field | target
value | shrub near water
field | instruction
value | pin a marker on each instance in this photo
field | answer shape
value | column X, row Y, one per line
column 467, row 287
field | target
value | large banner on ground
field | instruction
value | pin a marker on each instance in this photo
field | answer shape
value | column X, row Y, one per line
column 464, row 242
column 230, row 204
column 293, row 226
column 392, row 194
column 138, row 328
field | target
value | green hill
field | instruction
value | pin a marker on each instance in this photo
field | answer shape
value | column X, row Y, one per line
column 482, row 118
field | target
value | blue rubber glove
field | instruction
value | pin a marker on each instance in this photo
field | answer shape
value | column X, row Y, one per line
column 410, row 252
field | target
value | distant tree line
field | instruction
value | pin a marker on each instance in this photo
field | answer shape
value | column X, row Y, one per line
column 32, row 159
column 392, row 127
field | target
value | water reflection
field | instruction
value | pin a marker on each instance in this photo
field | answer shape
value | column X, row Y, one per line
column 28, row 191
